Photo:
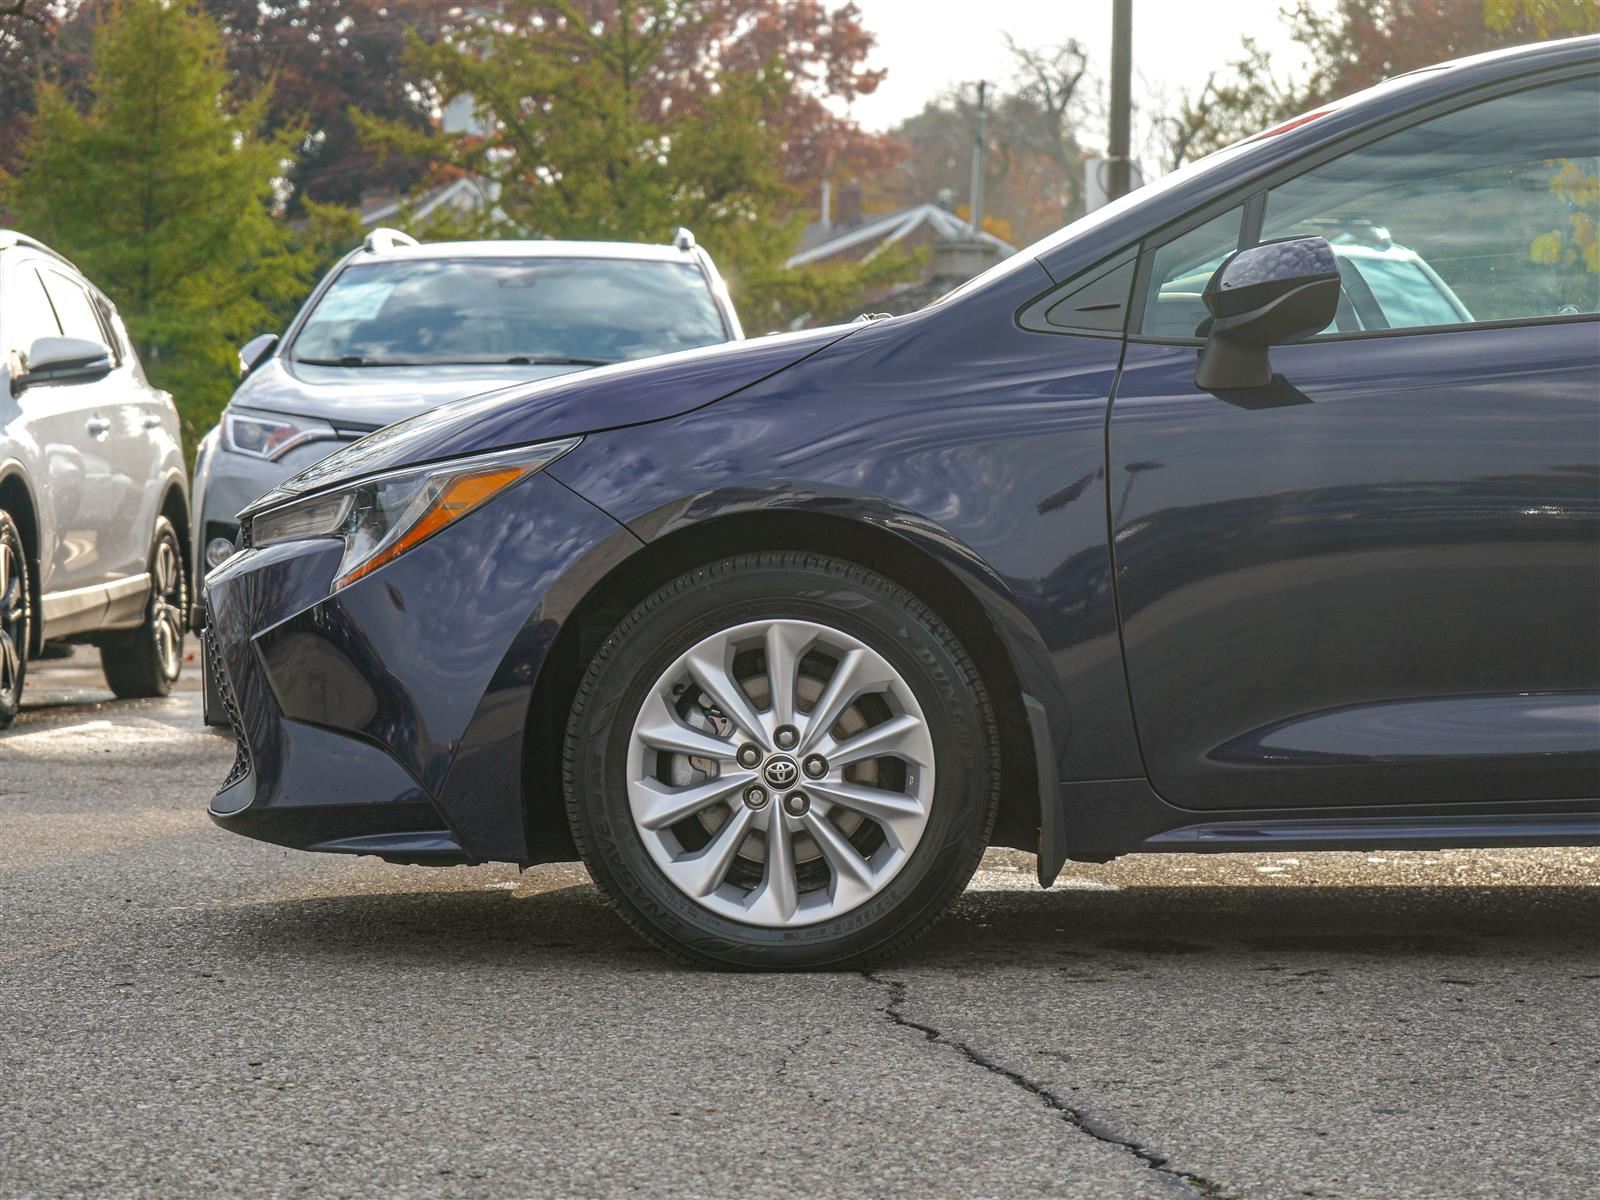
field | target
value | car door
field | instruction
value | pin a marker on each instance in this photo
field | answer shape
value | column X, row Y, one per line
column 1377, row 580
column 53, row 420
column 113, row 466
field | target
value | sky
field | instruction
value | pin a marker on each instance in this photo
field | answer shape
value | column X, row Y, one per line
column 928, row 45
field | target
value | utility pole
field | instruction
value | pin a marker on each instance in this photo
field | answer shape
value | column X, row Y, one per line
column 979, row 146
column 1121, row 98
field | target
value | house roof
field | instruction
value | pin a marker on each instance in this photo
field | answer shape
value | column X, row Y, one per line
column 420, row 206
column 820, row 242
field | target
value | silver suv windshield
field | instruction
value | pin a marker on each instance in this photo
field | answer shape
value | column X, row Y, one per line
column 564, row 311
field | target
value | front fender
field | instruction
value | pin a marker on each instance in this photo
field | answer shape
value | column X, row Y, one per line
column 996, row 473
column 1029, row 658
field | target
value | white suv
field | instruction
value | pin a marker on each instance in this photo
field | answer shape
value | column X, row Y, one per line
column 94, row 503
column 398, row 327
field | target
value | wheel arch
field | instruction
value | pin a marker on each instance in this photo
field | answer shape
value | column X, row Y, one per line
column 912, row 556
column 175, row 508
column 16, row 497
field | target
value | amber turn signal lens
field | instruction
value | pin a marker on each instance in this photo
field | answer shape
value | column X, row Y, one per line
column 459, row 497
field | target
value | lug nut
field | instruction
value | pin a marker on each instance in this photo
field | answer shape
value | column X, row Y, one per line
column 749, row 755
column 796, row 804
column 786, row 736
column 755, row 796
column 815, row 766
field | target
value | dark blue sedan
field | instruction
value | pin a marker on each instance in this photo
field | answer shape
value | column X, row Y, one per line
column 1259, row 510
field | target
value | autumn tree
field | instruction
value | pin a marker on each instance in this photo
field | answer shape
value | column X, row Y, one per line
column 319, row 58
column 1236, row 100
column 1358, row 43
column 1033, row 152
column 1352, row 45
column 624, row 121
column 40, row 40
column 823, row 55
column 162, row 191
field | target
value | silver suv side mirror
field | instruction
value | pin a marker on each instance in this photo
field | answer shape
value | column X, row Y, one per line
column 253, row 351
column 63, row 360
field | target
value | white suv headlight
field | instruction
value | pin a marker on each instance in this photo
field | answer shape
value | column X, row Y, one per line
column 269, row 435
column 383, row 516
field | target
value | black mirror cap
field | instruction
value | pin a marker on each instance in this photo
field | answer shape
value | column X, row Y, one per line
column 1264, row 296
column 1253, row 278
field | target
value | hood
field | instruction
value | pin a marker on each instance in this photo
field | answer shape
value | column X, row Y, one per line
column 371, row 397
column 632, row 393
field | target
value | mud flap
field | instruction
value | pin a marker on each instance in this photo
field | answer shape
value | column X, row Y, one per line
column 1052, row 854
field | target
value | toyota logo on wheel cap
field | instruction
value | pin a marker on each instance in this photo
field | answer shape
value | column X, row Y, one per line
column 780, row 772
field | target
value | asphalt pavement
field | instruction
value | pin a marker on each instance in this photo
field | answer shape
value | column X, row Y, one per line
column 186, row 1013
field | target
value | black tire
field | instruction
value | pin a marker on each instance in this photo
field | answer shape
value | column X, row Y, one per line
column 145, row 662
column 16, row 618
column 800, row 586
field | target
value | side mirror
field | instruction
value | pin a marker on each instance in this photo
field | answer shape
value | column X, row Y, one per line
column 64, row 359
column 253, row 351
column 1264, row 296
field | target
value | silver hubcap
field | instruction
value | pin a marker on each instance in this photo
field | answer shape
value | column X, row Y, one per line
column 13, row 618
column 828, row 808
column 166, row 615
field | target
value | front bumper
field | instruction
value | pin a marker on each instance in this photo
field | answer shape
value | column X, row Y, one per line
column 389, row 717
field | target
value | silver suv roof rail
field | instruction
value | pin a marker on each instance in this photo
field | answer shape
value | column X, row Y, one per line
column 384, row 238
column 14, row 237
column 683, row 239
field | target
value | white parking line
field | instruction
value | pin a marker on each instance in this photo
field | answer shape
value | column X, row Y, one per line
column 55, row 731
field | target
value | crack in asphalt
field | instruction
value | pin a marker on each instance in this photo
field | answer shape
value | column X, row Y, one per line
column 1186, row 1182
column 788, row 1055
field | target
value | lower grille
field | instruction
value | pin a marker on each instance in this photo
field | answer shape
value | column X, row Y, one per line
column 230, row 706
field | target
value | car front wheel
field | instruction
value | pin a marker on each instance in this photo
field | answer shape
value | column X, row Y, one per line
column 781, row 760
column 146, row 661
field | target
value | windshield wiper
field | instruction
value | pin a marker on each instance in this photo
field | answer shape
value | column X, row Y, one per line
column 515, row 360
column 526, row 360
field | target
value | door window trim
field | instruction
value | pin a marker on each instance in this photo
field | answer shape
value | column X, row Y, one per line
column 1255, row 192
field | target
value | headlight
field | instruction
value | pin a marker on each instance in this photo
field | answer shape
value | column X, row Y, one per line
column 269, row 436
column 382, row 517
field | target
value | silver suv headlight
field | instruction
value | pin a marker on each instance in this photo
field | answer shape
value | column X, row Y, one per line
column 271, row 435
column 381, row 517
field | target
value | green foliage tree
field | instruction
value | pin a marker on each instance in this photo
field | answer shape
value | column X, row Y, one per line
column 1544, row 18
column 584, row 128
column 163, row 193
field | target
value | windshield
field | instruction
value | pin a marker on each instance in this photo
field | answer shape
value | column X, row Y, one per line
column 569, row 311
column 1406, row 293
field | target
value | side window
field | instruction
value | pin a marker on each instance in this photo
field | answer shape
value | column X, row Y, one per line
column 1178, row 274
column 25, row 315
column 109, row 322
column 1489, row 213
column 73, row 308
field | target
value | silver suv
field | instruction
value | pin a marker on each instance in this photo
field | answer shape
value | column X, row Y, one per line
column 398, row 327
column 94, row 503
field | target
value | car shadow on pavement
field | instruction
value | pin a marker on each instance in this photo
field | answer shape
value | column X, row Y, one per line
column 572, row 924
